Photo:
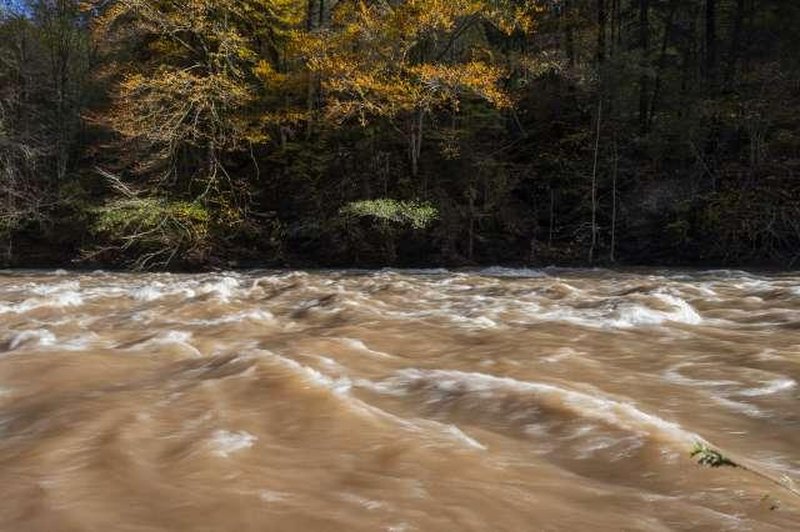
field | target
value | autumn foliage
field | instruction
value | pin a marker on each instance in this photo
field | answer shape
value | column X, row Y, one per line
column 165, row 133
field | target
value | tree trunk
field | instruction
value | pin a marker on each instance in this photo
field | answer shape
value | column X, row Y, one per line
column 644, row 80
column 612, row 254
column 689, row 62
column 614, row 26
column 311, row 82
column 552, row 217
column 310, row 15
column 736, row 44
column 710, row 63
column 569, row 35
column 415, row 141
column 594, row 181
column 601, row 31
column 471, row 241
column 662, row 59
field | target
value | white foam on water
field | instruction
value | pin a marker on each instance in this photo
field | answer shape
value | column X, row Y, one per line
column 562, row 354
column 454, row 317
column 146, row 293
column 69, row 298
column 501, row 271
column 270, row 496
column 706, row 290
column 423, row 427
column 416, row 271
column 769, row 354
column 174, row 337
column 47, row 289
column 481, row 322
column 80, row 343
column 329, row 363
column 727, row 273
column 224, row 288
column 226, row 443
column 595, row 444
column 604, row 313
column 638, row 315
column 769, row 388
column 37, row 337
column 156, row 290
column 728, row 391
column 674, row 375
column 180, row 339
column 737, row 406
column 359, row 345
column 783, row 466
column 536, row 430
column 258, row 315
column 254, row 315
column 459, row 435
column 340, row 388
column 623, row 415
column 369, row 504
column 313, row 377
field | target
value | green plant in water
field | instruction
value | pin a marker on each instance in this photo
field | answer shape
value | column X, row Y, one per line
column 418, row 215
column 707, row 456
column 710, row 457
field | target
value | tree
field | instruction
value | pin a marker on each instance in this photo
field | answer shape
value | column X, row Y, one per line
column 403, row 61
column 62, row 29
column 197, row 81
column 44, row 61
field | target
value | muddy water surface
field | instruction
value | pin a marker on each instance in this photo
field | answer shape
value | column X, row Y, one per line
column 398, row 401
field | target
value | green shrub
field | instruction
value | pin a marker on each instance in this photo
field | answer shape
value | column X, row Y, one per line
column 153, row 230
column 417, row 215
column 709, row 457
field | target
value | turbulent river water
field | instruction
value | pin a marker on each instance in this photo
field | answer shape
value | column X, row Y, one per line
column 398, row 400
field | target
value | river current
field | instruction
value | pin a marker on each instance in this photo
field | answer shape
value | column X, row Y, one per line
column 496, row 399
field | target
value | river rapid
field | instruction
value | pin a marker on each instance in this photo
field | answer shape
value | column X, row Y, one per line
column 496, row 399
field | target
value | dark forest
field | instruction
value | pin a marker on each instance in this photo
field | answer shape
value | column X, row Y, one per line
column 186, row 134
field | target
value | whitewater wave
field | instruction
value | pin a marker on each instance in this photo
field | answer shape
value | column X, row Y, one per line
column 514, row 398
column 340, row 388
column 31, row 338
column 679, row 311
column 769, row 388
column 225, row 443
column 522, row 273
column 69, row 298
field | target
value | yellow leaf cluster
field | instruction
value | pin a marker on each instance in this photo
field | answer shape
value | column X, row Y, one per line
column 208, row 78
column 388, row 59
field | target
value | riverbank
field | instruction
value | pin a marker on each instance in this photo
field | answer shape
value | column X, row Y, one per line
column 36, row 255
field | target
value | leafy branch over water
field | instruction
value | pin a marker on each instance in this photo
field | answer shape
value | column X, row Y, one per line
column 710, row 457
column 707, row 456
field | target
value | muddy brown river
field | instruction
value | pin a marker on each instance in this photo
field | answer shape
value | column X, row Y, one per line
column 494, row 399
